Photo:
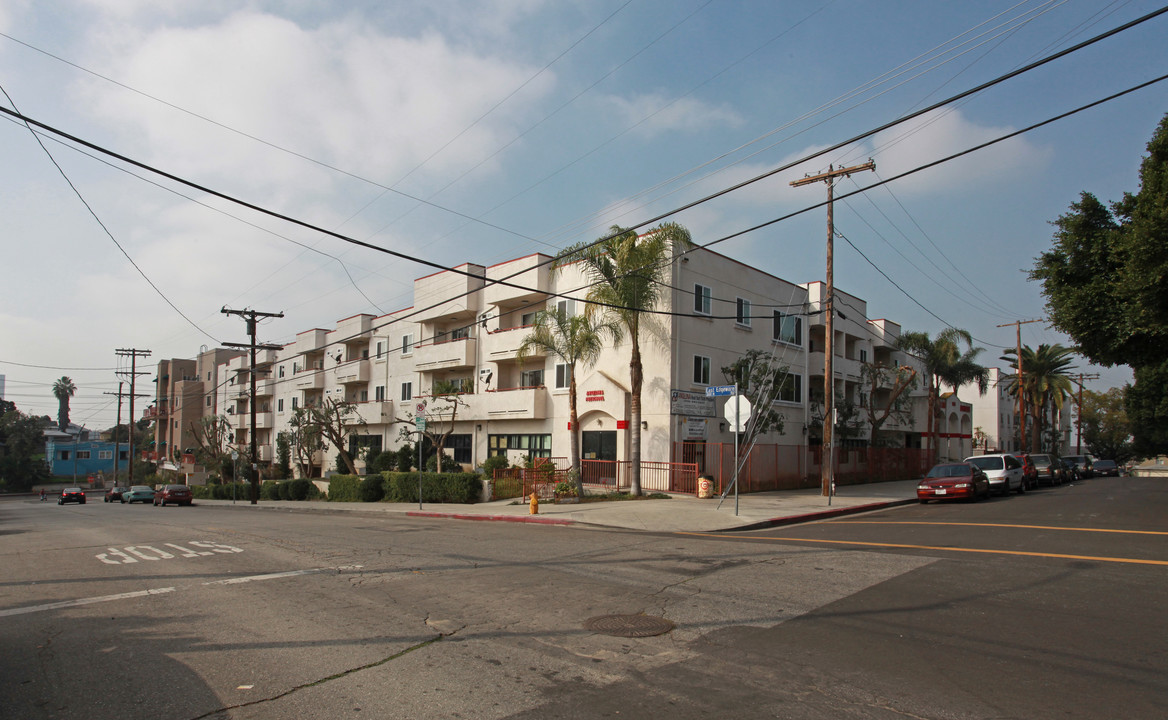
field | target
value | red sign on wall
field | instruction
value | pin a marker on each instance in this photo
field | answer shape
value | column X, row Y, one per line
column 594, row 396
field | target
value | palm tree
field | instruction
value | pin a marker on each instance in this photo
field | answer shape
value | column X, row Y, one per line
column 944, row 362
column 63, row 389
column 577, row 339
column 1045, row 382
column 628, row 275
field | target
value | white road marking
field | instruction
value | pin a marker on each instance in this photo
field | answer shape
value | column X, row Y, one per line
column 158, row 554
column 83, row 601
column 273, row 576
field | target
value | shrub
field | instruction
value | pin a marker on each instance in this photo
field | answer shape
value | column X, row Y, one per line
column 344, row 488
column 495, row 462
column 440, row 488
column 432, row 462
column 270, row 490
column 301, row 489
column 406, row 456
column 372, row 488
column 383, row 462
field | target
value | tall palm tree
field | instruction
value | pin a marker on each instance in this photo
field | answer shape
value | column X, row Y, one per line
column 628, row 274
column 63, row 389
column 944, row 362
column 1045, row 382
column 576, row 340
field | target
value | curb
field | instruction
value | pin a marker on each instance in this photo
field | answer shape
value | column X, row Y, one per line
column 819, row 515
column 494, row 518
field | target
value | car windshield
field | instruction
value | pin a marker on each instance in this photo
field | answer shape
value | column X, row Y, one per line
column 989, row 462
column 1041, row 460
column 1105, row 463
column 72, row 490
column 141, row 488
column 947, row 471
column 176, row 487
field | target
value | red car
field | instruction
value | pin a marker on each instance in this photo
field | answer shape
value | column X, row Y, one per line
column 176, row 494
column 953, row 480
column 1029, row 471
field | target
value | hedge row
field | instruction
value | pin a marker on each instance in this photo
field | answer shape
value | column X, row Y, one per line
column 300, row 489
column 403, row 487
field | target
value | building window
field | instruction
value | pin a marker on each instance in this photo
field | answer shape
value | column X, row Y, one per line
column 379, row 393
column 563, row 376
column 208, row 401
column 460, row 447
column 701, row 374
column 864, row 356
column 788, row 328
column 462, row 385
column 407, row 344
column 64, row 454
column 364, row 396
column 295, row 403
column 527, row 319
column 792, row 389
column 531, row 378
column 534, row 446
column 702, row 301
column 564, row 307
column 380, row 349
column 123, row 454
column 105, row 454
column 461, row 333
column 743, row 316
column 208, row 376
column 407, row 391
column 82, row 454
column 279, row 404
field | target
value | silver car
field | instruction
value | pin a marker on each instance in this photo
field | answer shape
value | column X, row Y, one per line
column 1004, row 472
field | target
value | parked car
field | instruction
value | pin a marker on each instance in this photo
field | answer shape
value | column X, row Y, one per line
column 114, row 494
column 1029, row 472
column 73, row 494
column 1084, row 464
column 1003, row 471
column 138, row 493
column 1106, row 468
column 946, row 481
column 177, row 494
column 1050, row 470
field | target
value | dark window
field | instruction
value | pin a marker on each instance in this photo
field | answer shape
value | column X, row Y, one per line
column 459, row 447
column 743, row 317
column 701, row 374
column 701, row 299
column 788, row 328
column 533, row 445
column 792, row 389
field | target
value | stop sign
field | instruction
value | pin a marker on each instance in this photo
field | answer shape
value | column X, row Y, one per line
column 737, row 412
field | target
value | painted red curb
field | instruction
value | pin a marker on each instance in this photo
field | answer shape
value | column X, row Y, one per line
column 495, row 518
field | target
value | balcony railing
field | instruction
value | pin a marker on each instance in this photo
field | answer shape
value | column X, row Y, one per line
column 523, row 403
column 354, row 371
column 503, row 344
column 444, row 355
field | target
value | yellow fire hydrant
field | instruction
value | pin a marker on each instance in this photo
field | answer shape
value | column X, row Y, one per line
column 534, row 504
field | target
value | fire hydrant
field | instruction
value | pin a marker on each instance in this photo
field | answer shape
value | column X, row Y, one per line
column 534, row 504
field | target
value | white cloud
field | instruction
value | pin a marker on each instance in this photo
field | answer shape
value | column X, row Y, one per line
column 654, row 113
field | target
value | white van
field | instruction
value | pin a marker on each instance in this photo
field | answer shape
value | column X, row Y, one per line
column 1003, row 471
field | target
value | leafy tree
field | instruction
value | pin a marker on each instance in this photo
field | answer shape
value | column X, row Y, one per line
column 63, row 389
column 1046, row 384
column 1103, row 280
column 406, row 455
column 441, row 413
column 576, row 340
column 629, row 274
column 284, row 455
column 761, row 377
column 306, row 440
column 22, row 447
column 944, row 362
column 335, row 420
column 212, row 439
column 887, row 393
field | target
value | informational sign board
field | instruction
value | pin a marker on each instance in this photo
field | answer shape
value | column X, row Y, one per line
column 720, row 390
column 420, row 424
column 695, row 428
column 420, row 409
column 692, row 404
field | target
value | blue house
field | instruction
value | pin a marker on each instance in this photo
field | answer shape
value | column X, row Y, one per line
column 85, row 458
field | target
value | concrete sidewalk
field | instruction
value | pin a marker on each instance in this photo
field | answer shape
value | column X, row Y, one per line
column 680, row 513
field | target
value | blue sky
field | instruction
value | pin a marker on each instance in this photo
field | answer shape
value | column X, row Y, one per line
column 527, row 126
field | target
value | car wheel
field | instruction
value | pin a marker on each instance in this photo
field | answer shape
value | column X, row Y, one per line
column 60, row 502
column 1022, row 486
column 922, row 501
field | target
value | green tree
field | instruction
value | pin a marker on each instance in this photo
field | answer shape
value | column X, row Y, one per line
column 629, row 274
column 944, row 362
column 212, row 439
column 1104, row 424
column 1046, row 384
column 22, row 448
column 761, row 379
column 306, row 438
column 575, row 340
column 441, row 413
column 1103, row 280
column 63, row 389
column 283, row 455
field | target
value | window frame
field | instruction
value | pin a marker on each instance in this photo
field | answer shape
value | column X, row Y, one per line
column 701, row 369
column 780, row 323
column 742, row 312
column 703, row 299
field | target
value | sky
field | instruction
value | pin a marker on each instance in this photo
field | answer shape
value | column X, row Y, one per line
column 479, row 131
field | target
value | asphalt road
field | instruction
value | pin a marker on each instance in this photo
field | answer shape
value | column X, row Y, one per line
column 1047, row 605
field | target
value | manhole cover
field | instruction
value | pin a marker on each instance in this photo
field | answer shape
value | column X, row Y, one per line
column 630, row 626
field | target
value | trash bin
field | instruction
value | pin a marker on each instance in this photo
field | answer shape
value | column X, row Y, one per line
column 705, row 487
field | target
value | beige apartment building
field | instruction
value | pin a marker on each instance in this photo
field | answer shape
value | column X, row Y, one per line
column 185, row 392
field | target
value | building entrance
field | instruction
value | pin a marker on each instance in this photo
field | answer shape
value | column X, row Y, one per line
column 598, row 445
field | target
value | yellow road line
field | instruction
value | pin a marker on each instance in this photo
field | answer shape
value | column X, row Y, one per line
column 1132, row 561
column 1004, row 525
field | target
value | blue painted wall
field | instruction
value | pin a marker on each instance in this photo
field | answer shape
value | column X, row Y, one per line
column 65, row 458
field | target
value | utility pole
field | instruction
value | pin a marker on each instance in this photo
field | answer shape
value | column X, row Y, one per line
column 1021, row 393
column 118, row 424
column 1079, row 410
column 250, row 316
column 133, row 354
column 826, row 479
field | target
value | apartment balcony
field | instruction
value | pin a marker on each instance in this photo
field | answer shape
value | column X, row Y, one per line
column 531, row 273
column 503, row 345
column 525, row 403
column 445, row 355
column 355, row 371
column 437, row 288
column 308, row 380
column 264, row 453
column 373, row 412
column 242, row 421
column 842, row 367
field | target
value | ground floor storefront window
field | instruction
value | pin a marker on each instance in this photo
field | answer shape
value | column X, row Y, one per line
column 533, row 445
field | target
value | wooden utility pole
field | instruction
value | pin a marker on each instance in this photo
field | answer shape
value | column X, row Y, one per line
column 1021, row 393
column 250, row 316
column 1079, row 410
column 826, row 466
column 133, row 354
column 118, row 424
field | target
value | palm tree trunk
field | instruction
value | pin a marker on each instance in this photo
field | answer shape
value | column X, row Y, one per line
column 635, row 379
column 574, row 430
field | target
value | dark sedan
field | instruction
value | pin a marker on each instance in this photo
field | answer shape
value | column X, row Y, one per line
column 73, row 494
column 1050, row 470
column 114, row 494
column 953, row 481
column 1106, row 468
column 175, row 494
